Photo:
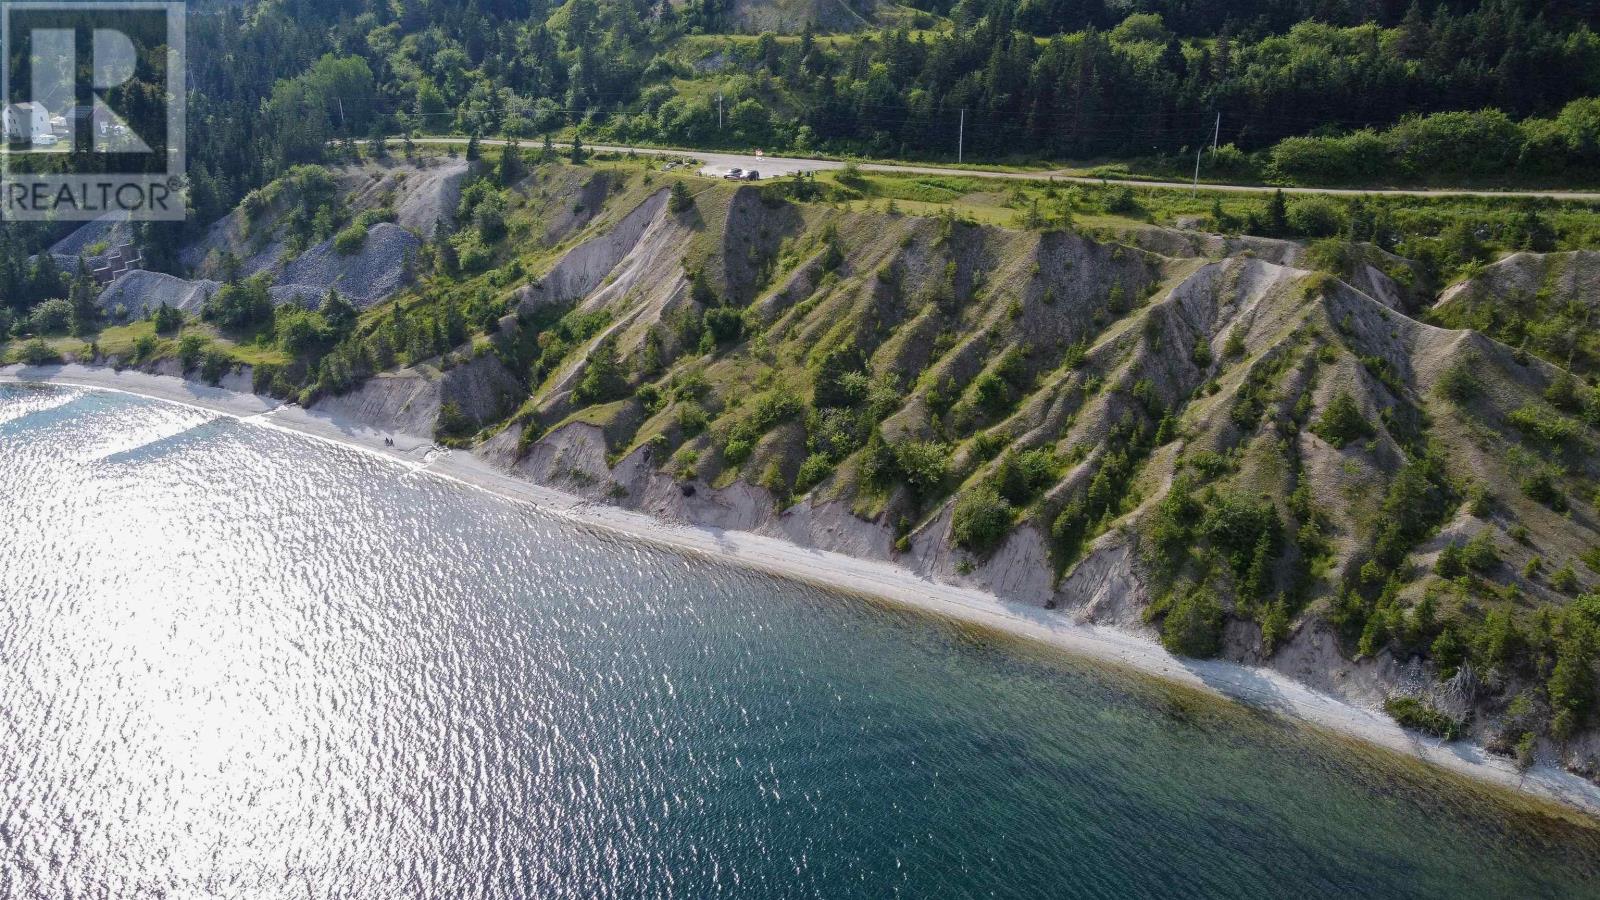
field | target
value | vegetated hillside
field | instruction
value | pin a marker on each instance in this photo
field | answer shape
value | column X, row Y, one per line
column 1248, row 458
column 1304, row 456
column 1541, row 303
column 1307, row 92
column 1206, row 440
column 794, row 16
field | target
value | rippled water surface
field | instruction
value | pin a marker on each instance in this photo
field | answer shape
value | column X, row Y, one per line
column 239, row 662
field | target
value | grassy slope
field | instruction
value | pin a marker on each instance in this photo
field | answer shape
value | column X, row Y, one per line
column 1094, row 343
column 1118, row 358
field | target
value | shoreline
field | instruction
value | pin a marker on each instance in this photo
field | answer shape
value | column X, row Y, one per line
column 883, row 581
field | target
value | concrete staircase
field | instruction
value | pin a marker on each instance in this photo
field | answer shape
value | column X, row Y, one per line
column 117, row 262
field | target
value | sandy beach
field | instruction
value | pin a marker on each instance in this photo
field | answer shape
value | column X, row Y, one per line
column 884, row 581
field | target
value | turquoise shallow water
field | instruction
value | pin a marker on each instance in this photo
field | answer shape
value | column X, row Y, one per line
column 239, row 662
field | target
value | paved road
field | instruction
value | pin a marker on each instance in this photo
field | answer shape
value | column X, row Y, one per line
column 715, row 163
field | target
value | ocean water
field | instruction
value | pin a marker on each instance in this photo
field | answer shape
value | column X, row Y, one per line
column 242, row 663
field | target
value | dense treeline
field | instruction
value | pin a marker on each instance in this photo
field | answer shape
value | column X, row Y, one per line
column 1200, row 18
column 1485, row 144
column 1141, row 89
column 271, row 82
column 1063, row 79
column 1317, row 90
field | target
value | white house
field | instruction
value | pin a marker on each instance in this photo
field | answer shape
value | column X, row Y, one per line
column 27, row 122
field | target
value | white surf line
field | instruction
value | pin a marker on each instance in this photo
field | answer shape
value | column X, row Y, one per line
column 1261, row 688
column 1257, row 687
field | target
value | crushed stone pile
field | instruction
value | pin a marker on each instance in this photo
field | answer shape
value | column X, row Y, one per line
column 111, row 232
column 141, row 291
column 364, row 278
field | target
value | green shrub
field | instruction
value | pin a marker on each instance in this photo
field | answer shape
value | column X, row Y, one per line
column 167, row 319
column 1545, row 424
column 1564, row 393
column 922, row 464
column 349, row 240
column 1498, row 642
column 144, row 347
column 1486, row 142
column 1341, row 422
column 1193, row 625
column 302, row 333
column 992, row 394
column 773, row 480
column 1449, row 564
column 981, row 519
column 37, row 353
column 1478, row 501
column 650, row 398
column 987, row 444
column 1480, row 554
column 1234, row 346
column 692, row 419
column 725, row 324
column 240, row 305
column 1541, row 486
column 679, row 199
column 1459, row 382
column 1564, row 579
column 603, row 380
column 1417, row 502
column 736, row 451
column 1329, row 159
column 1238, row 527
column 1208, row 463
column 1418, row 716
column 1021, row 476
column 190, row 346
column 1316, row 217
column 214, row 364
column 1571, row 688
column 452, row 421
column 51, row 317
column 812, row 471
column 1525, row 750
column 1274, row 625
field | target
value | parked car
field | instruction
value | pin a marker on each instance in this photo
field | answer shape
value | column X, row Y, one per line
column 752, row 175
column 734, row 174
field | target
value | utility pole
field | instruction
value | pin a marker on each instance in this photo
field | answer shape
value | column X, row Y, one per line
column 1216, row 135
column 719, row 110
column 342, row 123
column 961, row 136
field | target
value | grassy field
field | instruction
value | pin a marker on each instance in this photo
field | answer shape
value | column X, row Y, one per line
column 122, row 341
column 1117, row 206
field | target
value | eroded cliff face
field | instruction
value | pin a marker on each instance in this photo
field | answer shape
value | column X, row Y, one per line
column 1159, row 415
column 416, row 399
column 1194, row 437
